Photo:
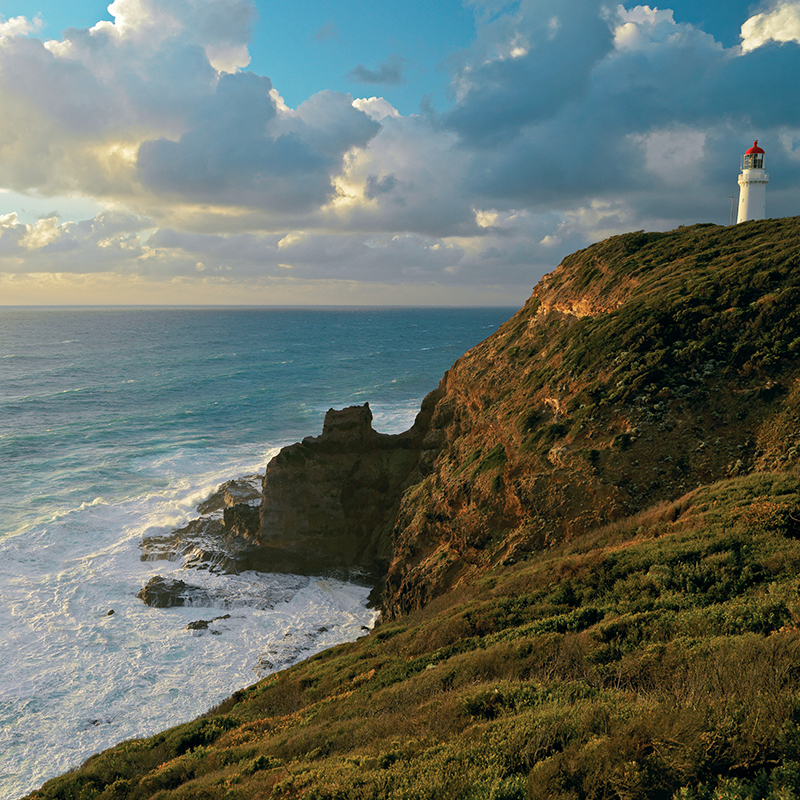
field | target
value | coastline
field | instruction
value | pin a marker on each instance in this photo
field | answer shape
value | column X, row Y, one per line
column 118, row 433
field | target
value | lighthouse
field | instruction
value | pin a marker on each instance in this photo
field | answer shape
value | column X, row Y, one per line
column 752, row 185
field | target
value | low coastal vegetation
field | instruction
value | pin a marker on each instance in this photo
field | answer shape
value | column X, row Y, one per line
column 657, row 657
column 595, row 585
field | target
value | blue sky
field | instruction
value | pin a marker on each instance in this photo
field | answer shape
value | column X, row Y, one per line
column 309, row 45
column 230, row 151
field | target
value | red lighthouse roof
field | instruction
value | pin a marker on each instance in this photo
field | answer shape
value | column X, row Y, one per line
column 754, row 149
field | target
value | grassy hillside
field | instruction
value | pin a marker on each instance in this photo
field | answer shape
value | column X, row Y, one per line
column 595, row 590
column 658, row 657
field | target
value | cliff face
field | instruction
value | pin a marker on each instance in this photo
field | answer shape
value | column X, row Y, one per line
column 641, row 368
column 329, row 502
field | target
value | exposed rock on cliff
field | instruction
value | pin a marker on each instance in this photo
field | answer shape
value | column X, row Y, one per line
column 330, row 501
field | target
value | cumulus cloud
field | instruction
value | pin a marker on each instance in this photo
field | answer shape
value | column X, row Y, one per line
column 781, row 23
column 569, row 122
column 222, row 29
column 19, row 26
column 641, row 27
column 405, row 180
column 518, row 75
column 138, row 107
column 240, row 151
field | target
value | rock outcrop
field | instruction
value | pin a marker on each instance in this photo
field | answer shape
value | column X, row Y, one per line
column 222, row 539
column 327, row 506
column 329, row 502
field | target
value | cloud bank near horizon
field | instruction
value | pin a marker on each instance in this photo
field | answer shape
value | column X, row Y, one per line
column 569, row 122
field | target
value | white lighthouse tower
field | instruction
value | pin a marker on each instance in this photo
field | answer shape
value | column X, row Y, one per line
column 752, row 185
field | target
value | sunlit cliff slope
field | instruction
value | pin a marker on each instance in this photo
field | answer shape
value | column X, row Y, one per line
column 643, row 367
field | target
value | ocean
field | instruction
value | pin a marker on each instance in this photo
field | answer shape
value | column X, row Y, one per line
column 114, row 424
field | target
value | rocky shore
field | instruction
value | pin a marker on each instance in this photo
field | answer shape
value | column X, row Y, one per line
column 325, row 506
column 624, row 381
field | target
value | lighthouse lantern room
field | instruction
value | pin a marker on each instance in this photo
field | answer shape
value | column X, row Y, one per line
column 752, row 185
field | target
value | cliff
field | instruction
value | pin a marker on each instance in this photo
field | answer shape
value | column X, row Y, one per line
column 594, row 539
column 643, row 367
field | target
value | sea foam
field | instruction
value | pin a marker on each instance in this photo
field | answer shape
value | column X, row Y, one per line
column 114, row 424
column 76, row 678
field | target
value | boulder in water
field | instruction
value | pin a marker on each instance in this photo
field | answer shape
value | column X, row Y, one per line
column 160, row 592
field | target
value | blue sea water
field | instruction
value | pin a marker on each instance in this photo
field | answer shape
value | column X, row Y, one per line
column 114, row 424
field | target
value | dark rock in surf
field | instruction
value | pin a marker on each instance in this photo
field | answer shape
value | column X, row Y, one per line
column 202, row 624
column 201, row 544
column 241, row 490
column 160, row 592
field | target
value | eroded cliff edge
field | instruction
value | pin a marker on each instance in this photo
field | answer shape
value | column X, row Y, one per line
column 642, row 367
column 330, row 502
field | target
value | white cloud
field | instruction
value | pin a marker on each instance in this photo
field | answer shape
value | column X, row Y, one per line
column 228, row 58
column 672, row 153
column 376, row 107
column 19, row 26
column 138, row 18
column 405, row 179
column 780, row 24
column 221, row 27
column 642, row 25
column 43, row 233
column 569, row 123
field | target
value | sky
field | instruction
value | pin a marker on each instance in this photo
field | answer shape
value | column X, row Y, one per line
column 245, row 152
